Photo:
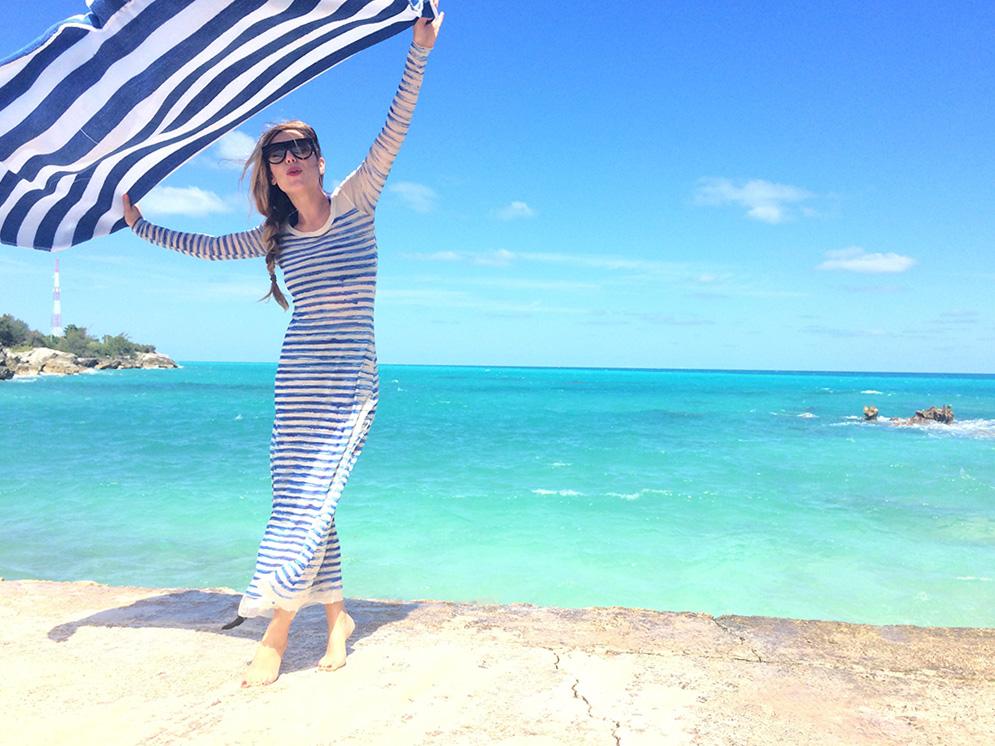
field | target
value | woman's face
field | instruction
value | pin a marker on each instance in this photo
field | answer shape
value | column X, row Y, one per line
column 293, row 174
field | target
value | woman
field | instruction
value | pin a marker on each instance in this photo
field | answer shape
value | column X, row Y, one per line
column 326, row 382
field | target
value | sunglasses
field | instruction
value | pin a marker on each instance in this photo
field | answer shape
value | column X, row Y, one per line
column 302, row 149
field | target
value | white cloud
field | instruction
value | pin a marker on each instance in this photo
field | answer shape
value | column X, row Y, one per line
column 832, row 331
column 233, row 150
column 192, row 201
column 514, row 210
column 712, row 278
column 764, row 200
column 611, row 316
column 442, row 298
column 503, row 258
column 499, row 258
column 515, row 283
column 439, row 256
column 958, row 317
column 599, row 261
column 855, row 259
column 418, row 197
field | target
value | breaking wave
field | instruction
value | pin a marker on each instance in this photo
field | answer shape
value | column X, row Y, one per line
column 979, row 428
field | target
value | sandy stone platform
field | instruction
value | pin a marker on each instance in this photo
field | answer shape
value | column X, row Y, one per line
column 83, row 663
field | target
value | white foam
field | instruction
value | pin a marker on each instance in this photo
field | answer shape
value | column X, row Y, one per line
column 238, row 417
column 640, row 493
column 969, row 428
column 808, row 416
column 624, row 495
column 558, row 464
column 978, row 428
column 561, row 493
column 972, row 577
column 871, row 391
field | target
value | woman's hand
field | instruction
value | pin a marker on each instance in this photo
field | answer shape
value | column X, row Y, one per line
column 131, row 213
column 427, row 29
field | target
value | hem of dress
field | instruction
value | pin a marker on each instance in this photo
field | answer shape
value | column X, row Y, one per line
column 265, row 607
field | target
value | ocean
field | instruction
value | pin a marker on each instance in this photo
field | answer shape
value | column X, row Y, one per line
column 760, row 493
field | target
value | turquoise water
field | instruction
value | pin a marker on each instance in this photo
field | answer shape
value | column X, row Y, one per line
column 748, row 493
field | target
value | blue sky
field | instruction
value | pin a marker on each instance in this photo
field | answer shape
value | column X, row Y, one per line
column 661, row 185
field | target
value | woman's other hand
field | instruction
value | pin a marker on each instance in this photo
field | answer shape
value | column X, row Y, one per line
column 131, row 213
column 427, row 29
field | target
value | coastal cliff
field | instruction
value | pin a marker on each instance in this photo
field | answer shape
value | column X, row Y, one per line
column 88, row 663
column 45, row 361
column 27, row 352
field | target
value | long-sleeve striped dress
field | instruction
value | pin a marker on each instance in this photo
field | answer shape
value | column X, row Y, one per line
column 327, row 382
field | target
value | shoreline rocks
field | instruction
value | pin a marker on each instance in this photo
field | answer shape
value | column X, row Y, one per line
column 5, row 372
column 45, row 361
column 943, row 415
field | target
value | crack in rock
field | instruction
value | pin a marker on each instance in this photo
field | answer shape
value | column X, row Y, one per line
column 616, row 725
column 590, row 711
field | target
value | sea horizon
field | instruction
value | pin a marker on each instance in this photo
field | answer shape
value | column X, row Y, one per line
column 775, row 371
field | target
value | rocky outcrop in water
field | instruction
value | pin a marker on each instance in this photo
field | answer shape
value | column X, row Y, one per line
column 944, row 415
column 870, row 412
column 45, row 361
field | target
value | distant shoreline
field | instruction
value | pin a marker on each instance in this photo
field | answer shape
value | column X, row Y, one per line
column 736, row 371
column 44, row 361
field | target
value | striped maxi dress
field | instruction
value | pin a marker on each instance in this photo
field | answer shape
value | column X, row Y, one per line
column 327, row 382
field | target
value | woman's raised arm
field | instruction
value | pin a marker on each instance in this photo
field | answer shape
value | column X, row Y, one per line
column 244, row 245
column 364, row 185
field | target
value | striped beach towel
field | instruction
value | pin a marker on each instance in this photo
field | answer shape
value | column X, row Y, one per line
column 113, row 100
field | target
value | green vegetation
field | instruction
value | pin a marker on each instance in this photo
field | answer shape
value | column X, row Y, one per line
column 16, row 334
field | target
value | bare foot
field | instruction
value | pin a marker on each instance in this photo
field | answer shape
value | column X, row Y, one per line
column 334, row 657
column 265, row 666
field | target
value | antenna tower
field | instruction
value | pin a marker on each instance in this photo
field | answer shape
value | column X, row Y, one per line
column 56, row 303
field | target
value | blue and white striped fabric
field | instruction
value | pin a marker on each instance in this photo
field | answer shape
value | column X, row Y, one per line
column 114, row 100
column 327, row 382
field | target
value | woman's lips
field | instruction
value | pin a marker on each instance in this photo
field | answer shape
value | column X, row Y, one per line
column 294, row 171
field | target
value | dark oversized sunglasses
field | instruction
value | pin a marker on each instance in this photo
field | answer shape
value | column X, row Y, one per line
column 301, row 148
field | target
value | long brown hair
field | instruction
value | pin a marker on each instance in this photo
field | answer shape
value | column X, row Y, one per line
column 271, row 201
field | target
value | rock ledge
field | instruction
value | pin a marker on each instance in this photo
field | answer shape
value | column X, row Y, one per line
column 88, row 663
column 45, row 361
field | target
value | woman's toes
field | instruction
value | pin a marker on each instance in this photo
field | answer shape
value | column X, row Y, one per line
column 265, row 667
column 335, row 656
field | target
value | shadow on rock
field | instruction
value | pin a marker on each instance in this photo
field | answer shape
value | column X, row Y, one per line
column 209, row 611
